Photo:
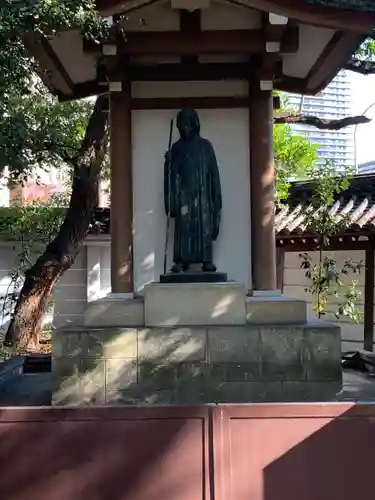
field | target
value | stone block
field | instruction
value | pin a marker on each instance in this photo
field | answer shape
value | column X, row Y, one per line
column 115, row 310
column 247, row 392
column 135, row 397
column 234, row 372
column 120, row 342
column 172, row 345
column 233, row 344
column 68, row 341
column 276, row 310
column 78, row 381
column 195, row 304
column 156, row 376
column 322, row 356
column 66, row 367
column 306, row 391
column 109, row 342
column 120, row 373
column 282, row 353
column 193, row 383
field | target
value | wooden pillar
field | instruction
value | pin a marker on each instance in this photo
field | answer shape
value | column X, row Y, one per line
column 262, row 188
column 369, row 300
column 121, row 191
column 280, row 266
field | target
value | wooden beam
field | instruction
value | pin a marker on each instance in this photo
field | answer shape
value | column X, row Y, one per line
column 45, row 44
column 52, row 72
column 190, row 102
column 341, row 47
column 190, row 24
column 211, row 102
column 369, row 300
column 177, row 43
column 280, row 33
column 190, row 72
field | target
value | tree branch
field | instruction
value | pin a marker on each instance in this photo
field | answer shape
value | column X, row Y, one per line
column 320, row 123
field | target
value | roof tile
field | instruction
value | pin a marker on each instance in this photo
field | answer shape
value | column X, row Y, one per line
column 361, row 5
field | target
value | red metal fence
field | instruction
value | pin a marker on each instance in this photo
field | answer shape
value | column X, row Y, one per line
column 249, row 452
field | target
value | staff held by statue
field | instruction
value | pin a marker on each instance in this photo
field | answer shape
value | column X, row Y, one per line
column 168, row 166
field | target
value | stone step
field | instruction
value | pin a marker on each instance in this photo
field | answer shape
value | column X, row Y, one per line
column 194, row 304
column 275, row 309
column 115, row 310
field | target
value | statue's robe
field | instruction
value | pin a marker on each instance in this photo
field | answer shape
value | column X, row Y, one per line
column 192, row 195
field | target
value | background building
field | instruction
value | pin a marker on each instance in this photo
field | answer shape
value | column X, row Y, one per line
column 366, row 168
column 335, row 102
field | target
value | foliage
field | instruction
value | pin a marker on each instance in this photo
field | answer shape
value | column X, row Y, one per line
column 295, row 158
column 326, row 277
column 30, row 227
column 42, row 17
column 326, row 284
column 37, row 130
column 366, row 51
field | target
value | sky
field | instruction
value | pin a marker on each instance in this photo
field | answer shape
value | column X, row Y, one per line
column 364, row 96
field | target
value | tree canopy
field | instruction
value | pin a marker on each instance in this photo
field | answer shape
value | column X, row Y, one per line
column 36, row 130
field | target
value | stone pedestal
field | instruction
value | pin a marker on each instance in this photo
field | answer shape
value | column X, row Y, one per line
column 196, row 343
column 193, row 304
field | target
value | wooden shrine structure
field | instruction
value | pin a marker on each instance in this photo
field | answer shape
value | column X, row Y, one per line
column 205, row 54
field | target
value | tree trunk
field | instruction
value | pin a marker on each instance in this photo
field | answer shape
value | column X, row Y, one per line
column 60, row 254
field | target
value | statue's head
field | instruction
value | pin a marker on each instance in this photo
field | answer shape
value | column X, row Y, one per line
column 188, row 123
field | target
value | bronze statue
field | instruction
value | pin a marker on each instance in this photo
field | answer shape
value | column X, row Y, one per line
column 192, row 195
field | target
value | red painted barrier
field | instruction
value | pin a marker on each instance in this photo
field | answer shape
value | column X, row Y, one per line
column 249, row 452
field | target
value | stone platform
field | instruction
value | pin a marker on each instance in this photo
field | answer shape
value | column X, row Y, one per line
column 172, row 347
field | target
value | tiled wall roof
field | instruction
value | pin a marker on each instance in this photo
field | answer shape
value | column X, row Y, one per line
column 356, row 204
column 362, row 5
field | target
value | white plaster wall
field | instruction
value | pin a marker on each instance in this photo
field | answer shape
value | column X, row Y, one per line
column 228, row 130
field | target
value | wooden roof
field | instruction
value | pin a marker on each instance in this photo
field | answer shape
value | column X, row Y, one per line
column 317, row 42
column 356, row 205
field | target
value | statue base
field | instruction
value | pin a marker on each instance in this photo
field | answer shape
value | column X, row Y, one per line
column 194, row 277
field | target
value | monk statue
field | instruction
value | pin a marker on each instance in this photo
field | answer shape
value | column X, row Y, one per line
column 192, row 195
